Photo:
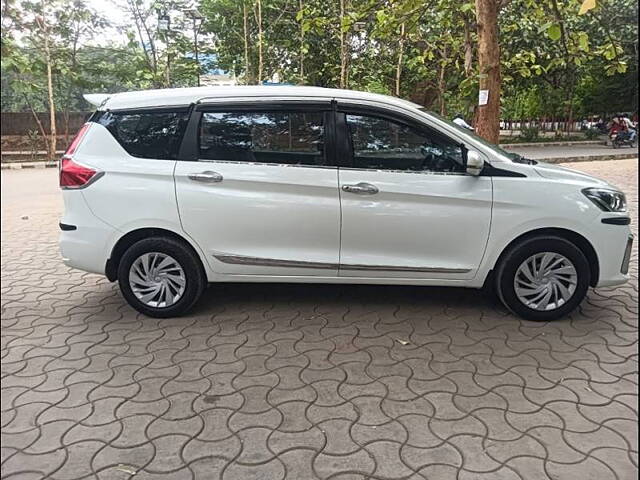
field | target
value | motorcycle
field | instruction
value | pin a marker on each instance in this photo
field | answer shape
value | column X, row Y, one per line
column 621, row 139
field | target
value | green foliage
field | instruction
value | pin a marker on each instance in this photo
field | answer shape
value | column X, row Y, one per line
column 81, row 67
column 592, row 134
column 554, row 61
column 33, row 142
column 529, row 134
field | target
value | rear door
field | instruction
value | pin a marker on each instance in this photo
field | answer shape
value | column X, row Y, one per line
column 261, row 196
column 409, row 210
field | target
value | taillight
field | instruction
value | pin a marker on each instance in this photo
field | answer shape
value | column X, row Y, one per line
column 76, row 140
column 72, row 174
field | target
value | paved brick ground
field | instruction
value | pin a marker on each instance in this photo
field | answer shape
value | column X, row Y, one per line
column 274, row 381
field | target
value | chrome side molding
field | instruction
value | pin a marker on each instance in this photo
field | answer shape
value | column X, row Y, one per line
column 394, row 268
column 274, row 262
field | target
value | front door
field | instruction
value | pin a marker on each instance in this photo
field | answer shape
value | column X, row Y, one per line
column 262, row 199
column 408, row 208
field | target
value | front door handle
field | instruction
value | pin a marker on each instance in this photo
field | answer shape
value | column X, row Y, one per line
column 361, row 188
column 206, row 177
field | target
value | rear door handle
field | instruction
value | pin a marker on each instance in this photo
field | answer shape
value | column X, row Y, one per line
column 206, row 177
column 361, row 188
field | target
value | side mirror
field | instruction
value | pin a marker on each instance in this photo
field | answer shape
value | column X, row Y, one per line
column 475, row 163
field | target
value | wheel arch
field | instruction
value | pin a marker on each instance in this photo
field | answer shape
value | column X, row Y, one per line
column 128, row 239
column 578, row 240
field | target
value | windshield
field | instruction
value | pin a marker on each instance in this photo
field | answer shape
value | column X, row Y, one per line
column 500, row 151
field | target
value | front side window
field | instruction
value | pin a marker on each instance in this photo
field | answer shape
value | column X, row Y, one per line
column 147, row 134
column 382, row 144
column 291, row 138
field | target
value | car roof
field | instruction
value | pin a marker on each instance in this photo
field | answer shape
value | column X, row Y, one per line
column 186, row 96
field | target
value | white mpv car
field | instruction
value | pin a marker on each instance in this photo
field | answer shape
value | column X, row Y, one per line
column 168, row 190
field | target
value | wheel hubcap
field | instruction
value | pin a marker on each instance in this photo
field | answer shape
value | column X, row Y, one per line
column 157, row 280
column 545, row 281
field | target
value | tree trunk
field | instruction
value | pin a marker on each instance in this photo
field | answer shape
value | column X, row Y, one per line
column 343, row 48
column 52, row 107
column 245, row 32
column 153, row 65
column 399, row 66
column 260, row 59
column 572, row 83
column 302, row 43
column 488, row 116
column 66, row 126
column 74, row 66
column 441, row 80
column 168, row 70
column 39, row 124
column 468, row 47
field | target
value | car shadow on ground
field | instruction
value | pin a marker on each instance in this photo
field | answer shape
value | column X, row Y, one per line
column 311, row 296
column 389, row 303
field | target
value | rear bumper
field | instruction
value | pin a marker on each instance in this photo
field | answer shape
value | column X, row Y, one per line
column 86, row 246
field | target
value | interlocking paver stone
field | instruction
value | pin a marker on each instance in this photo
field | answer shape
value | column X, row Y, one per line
column 304, row 381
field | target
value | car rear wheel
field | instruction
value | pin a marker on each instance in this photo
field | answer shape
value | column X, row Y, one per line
column 543, row 278
column 161, row 277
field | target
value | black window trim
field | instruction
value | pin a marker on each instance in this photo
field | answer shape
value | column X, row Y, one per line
column 152, row 109
column 345, row 156
column 189, row 148
column 346, row 143
column 97, row 115
column 261, row 106
column 337, row 151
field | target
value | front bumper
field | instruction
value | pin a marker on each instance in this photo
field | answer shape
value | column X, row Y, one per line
column 614, row 247
column 626, row 260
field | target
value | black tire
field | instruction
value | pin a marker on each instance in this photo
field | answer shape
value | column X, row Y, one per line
column 190, row 262
column 517, row 254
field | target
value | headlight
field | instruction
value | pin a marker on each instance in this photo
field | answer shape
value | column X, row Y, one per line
column 607, row 200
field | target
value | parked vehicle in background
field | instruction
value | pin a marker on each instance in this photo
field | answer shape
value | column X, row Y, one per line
column 166, row 191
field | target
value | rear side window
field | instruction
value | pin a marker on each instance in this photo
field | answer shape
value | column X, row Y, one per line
column 147, row 134
column 290, row 138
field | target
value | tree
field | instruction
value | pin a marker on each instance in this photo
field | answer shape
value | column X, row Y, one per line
column 550, row 63
column 487, row 122
column 554, row 50
column 42, row 23
column 43, row 70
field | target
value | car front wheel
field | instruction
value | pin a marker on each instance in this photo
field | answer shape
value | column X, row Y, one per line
column 161, row 277
column 543, row 278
